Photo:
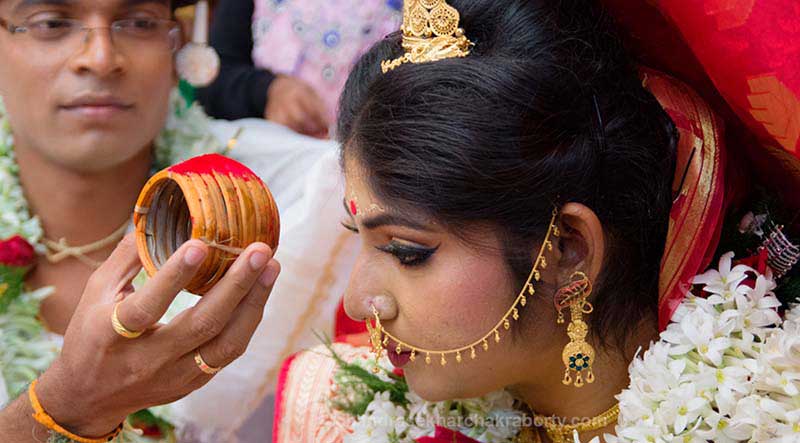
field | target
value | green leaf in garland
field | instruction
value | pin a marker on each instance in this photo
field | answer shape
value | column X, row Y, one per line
column 188, row 92
column 12, row 279
column 362, row 384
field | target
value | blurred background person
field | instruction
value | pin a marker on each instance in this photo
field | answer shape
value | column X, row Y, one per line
column 291, row 64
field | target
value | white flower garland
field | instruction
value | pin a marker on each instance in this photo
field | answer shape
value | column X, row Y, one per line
column 488, row 419
column 726, row 369
column 26, row 348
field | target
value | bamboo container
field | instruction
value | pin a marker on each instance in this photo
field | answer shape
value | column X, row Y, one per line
column 211, row 198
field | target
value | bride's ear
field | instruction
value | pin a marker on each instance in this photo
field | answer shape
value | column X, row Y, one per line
column 582, row 243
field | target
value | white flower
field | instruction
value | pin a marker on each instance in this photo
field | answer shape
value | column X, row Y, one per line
column 383, row 422
column 793, row 314
column 366, row 431
column 779, row 362
column 758, row 307
column 698, row 331
column 643, row 432
column 724, row 280
column 682, row 407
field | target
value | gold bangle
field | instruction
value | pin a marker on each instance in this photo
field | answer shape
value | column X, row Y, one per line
column 205, row 367
column 44, row 419
column 119, row 328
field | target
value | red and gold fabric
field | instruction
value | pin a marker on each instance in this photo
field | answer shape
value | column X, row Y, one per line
column 698, row 190
column 743, row 58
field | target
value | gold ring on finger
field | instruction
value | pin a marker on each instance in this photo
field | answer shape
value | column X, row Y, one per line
column 119, row 328
column 205, row 367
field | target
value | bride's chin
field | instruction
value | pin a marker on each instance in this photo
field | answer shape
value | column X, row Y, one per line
column 440, row 385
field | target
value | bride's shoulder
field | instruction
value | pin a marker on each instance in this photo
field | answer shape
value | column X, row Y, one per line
column 303, row 412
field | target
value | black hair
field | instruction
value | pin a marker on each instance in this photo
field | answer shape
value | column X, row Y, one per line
column 547, row 109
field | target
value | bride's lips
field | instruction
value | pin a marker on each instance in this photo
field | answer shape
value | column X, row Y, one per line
column 398, row 360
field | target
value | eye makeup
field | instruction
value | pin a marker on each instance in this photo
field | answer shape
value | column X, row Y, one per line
column 408, row 255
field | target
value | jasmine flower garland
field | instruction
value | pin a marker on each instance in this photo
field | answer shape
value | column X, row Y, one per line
column 727, row 369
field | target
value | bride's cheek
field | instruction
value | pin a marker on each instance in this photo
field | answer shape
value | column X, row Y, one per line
column 465, row 302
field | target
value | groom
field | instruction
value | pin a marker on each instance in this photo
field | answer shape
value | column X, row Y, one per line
column 86, row 86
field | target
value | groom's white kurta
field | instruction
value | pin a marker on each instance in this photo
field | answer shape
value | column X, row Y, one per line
column 316, row 255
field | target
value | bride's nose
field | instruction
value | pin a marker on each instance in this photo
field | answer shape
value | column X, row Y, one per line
column 363, row 307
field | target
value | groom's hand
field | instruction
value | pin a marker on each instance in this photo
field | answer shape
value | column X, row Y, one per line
column 101, row 377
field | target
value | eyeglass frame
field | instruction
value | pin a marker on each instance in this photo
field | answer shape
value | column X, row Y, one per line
column 15, row 29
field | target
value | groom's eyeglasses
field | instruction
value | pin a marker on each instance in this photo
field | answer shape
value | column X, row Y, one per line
column 54, row 36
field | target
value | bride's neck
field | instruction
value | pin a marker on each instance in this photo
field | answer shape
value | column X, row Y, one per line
column 81, row 207
column 548, row 396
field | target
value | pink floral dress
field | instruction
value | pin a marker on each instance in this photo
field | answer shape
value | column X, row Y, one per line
column 319, row 41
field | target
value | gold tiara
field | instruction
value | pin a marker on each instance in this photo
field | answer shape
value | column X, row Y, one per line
column 430, row 33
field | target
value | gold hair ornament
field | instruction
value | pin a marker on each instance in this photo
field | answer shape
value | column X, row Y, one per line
column 379, row 337
column 431, row 32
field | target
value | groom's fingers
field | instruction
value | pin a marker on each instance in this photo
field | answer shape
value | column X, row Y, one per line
column 146, row 306
column 114, row 275
column 203, row 322
column 232, row 342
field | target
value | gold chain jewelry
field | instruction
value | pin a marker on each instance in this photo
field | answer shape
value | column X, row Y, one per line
column 578, row 355
column 431, row 32
column 60, row 250
column 528, row 434
column 379, row 337
column 563, row 433
column 119, row 328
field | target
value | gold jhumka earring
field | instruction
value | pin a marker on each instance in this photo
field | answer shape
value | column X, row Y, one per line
column 578, row 355
column 431, row 32
column 379, row 337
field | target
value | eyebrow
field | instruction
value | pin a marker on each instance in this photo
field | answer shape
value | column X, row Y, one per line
column 387, row 219
column 25, row 4
column 390, row 219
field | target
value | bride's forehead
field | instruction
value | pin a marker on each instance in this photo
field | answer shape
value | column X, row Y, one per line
column 354, row 173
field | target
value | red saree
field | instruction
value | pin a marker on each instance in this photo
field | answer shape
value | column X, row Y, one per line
column 743, row 57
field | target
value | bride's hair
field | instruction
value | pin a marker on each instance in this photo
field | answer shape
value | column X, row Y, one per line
column 547, row 109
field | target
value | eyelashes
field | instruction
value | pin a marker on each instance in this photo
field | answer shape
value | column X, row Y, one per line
column 407, row 255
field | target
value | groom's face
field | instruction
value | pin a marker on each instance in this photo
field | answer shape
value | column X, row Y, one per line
column 83, row 95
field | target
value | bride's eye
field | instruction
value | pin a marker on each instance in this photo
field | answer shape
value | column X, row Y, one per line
column 407, row 255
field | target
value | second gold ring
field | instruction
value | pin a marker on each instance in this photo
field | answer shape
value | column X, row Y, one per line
column 205, row 367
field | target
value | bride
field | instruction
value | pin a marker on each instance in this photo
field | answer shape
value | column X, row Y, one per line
column 524, row 206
